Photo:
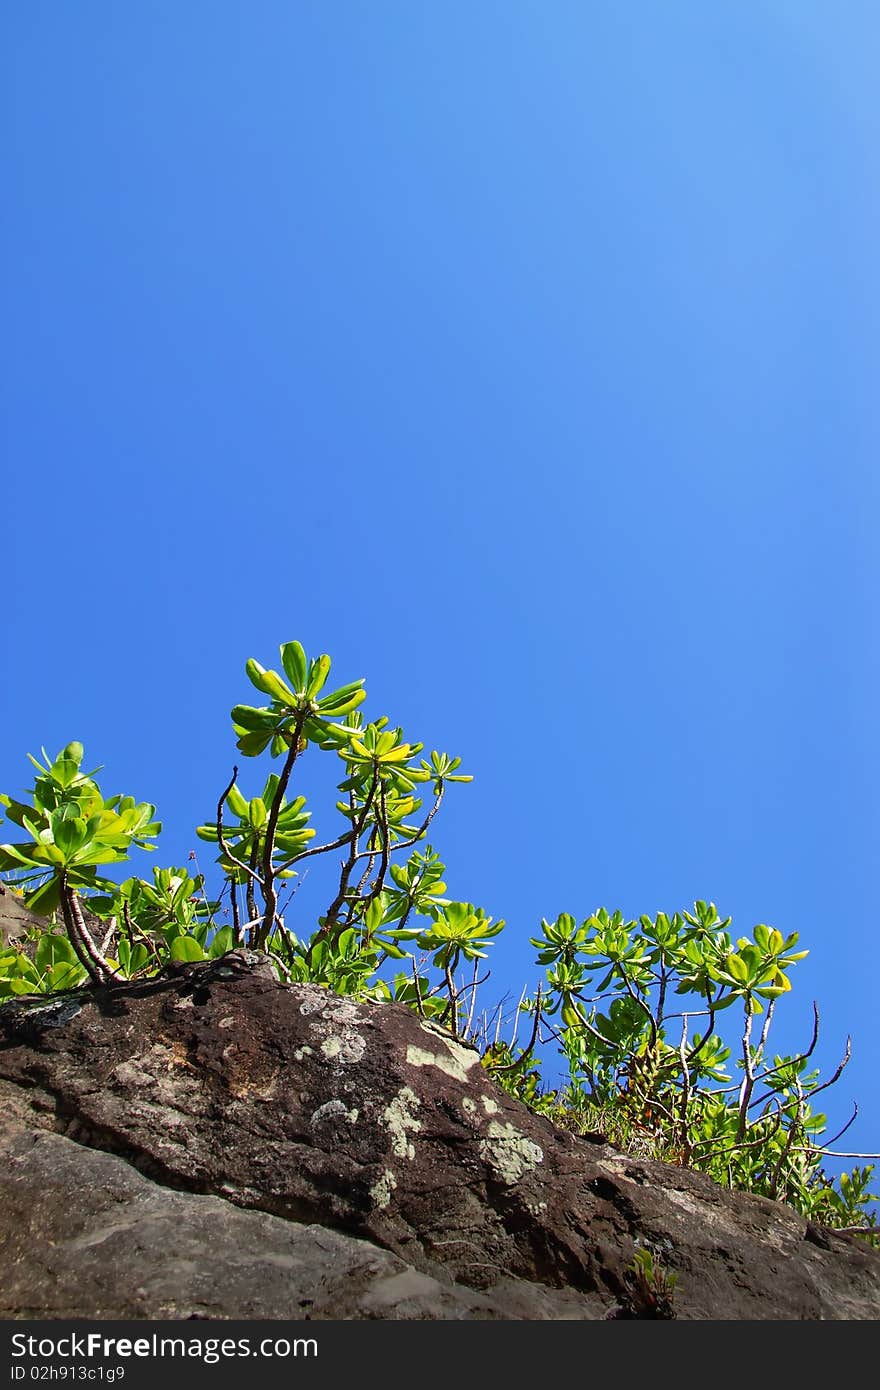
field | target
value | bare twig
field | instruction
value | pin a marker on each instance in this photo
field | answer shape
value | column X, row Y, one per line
column 473, row 1004
column 417, row 981
column 420, row 833
column 233, row 897
column 795, row 1129
column 269, row 892
column 826, row 1153
column 293, row 892
column 331, row 916
column 526, row 1054
column 340, row 840
column 451, row 1011
column 841, row 1132
column 748, row 1081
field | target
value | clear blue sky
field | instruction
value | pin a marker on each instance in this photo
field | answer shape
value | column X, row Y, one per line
column 524, row 357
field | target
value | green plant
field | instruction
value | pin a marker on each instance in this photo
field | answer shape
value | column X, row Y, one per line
column 662, row 1023
column 653, row 1288
column 71, row 831
column 262, row 841
column 648, row 1064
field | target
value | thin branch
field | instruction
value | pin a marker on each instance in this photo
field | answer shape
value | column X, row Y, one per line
column 365, row 876
column 332, row 915
column 293, row 892
column 524, row 1056
column 382, row 828
column 745, row 1143
column 269, row 892
column 765, row 1031
column 844, row 1062
column 224, row 848
column 453, row 1002
column 698, row 1047
column 233, row 896
column 250, row 896
column 134, row 930
column 417, row 981
column 516, row 1017
column 108, row 936
column 340, row 840
column 826, row 1153
column 236, row 915
column 474, row 984
column 801, row 1056
column 748, row 1081
column 473, row 1004
column 841, row 1132
column 685, row 1089
column 420, row 834
column 796, row 1126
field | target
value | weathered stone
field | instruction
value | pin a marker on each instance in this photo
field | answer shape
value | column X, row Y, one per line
column 87, row 1236
column 359, row 1117
column 15, row 919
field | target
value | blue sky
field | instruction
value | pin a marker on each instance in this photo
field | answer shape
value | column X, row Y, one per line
column 521, row 356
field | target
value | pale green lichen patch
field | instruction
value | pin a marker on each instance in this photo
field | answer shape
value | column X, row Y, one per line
column 381, row 1191
column 302, row 1052
column 468, row 1106
column 399, row 1116
column 489, row 1105
column 510, row 1153
column 456, row 1061
column 334, row 1024
column 344, row 1047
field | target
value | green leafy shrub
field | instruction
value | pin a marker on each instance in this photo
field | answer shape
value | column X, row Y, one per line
column 640, row 1008
column 662, row 1024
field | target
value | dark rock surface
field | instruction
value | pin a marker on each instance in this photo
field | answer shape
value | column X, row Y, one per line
column 227, row 1113
column 87, row 1236
column 15, row 918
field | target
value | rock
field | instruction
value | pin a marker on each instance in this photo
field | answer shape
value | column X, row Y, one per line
column 294, row 1104
column 15, row 919
column 87, row 1236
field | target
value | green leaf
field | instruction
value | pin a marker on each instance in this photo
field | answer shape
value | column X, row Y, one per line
column 139, row 957
column 65, row 974
column 343, row 700
column 269, row 682
column 66, row 766
column 251, row 719
column 44, row 899
column 318, row 673
column 293, row 659
column 253, row 744
column 186, row 948
column 53, row 949
column 736, row 967
column 236, row 803
column 222, row 943
column 69, row 832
